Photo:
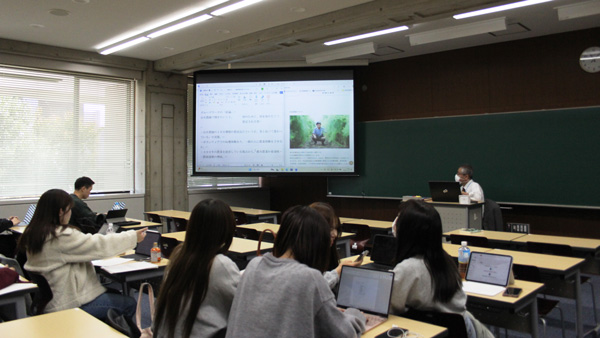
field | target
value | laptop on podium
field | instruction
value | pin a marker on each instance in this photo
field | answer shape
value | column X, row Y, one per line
column 444, row 191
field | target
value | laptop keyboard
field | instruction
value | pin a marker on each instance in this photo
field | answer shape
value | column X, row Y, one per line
column 482, row 288
column 372, row 321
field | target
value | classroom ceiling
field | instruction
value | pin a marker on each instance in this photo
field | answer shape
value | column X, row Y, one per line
column 271, row 32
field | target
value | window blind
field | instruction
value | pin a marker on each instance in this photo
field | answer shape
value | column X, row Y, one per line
column 56, row 127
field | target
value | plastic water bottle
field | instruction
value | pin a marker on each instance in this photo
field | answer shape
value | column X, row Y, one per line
column 463, row 259
column 155, row 255
column 110, row 229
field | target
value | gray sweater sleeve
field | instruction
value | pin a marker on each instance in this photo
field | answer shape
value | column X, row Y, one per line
column 332, row 278
column 329, row 314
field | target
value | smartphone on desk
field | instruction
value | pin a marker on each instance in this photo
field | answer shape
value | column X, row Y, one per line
column 512, row 292
column 361, row 256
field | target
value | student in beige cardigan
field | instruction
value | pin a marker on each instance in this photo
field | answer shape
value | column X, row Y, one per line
column 63, row 254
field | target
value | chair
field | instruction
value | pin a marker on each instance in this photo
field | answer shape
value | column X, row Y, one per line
column 240, row 218
column 179, row 224
column 167, row 245
column 247, row 233
column 44, row 294
column 481, row 242
column 150, row 217
column 11, row 262
column 545, row 306
column 361, row 238
column 563, row 250
column 454, row 322
column 492, row 216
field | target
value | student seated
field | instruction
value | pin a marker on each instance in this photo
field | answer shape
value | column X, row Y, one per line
column 8, row 242
column 284, row 293
column 196, row 295
column 63, row 254
column 332, row 276
column 426, row 277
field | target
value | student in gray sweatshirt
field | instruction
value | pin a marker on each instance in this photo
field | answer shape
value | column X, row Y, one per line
column 196, row 295
column 284, row 294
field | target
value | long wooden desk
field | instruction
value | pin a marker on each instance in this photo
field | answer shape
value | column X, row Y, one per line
column 382, row 225
column 504, row 308
column 72, row 323
column 424, row 330
column 15, row 295
column 494, row 236
column 343, row 241
column 258, row 215
column 143, row 224
column 239, row 246
column 131, row 276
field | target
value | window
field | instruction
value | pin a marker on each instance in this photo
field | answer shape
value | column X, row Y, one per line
column 208, row 182
column 57, row 127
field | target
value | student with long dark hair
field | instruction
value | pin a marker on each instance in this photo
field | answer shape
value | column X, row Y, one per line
column 332, row 275
column 196, row 295
column 284, row 293
column 426, row 277
column 63, row 254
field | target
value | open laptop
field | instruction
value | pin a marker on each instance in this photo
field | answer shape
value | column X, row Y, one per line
column 383, row 253
column 142, row 250
column 488, row 274
column 368, row 290
column 28, row 215
column 444, row 191
column 117, row 218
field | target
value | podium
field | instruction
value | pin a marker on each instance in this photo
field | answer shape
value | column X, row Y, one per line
column 457, row 216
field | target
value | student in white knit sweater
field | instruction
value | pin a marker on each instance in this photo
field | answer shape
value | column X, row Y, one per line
column 426, row 277
column 196, row 295
column 63, row 254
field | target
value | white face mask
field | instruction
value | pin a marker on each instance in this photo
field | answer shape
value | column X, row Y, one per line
column 456, row 178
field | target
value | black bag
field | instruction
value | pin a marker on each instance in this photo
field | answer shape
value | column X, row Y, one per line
column 123, row 324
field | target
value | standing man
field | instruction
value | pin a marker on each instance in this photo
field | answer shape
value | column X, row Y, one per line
column 464, row 176
column 318, row 134
column 82, row 216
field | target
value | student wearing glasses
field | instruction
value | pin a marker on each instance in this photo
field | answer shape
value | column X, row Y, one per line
column 284, row 293
column 62, row 254
column 196, row 295
column 426, row 277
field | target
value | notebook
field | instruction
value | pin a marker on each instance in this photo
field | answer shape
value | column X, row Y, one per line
column 444, row 191
column 383, row 253
column 142, row 250
column 367, row 290
column 488, row 274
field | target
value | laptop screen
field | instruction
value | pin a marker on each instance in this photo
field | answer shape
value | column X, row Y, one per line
column 144, row 247
column 489, row 268
column 365, row 289
column 119, row 213
column 384, row 250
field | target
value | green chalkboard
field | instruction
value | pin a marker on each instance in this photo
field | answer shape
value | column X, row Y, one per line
column 542, row 157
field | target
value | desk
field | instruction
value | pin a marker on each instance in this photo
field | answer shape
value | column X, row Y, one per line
column 566, row 268
column 578, row 244
column 258, row 215
column 343, row 241
column 504, row 308
column 143, row 224
column 239, row 246
column 455, row 216
column 131, row 276
column 423, row 329
column 497, row 236
column 452, row 249
column 72, row 323
column 15, row 295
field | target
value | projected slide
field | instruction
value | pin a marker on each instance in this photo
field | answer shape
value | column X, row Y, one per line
column 274, row 127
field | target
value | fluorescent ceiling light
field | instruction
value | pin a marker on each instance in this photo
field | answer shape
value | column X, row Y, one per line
column 124, row 45
column 366, row 35
column 449, row 33
column 499, row 8
column 234, row 7
column 179, row 26
column 341, row 53
column 578, row 10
